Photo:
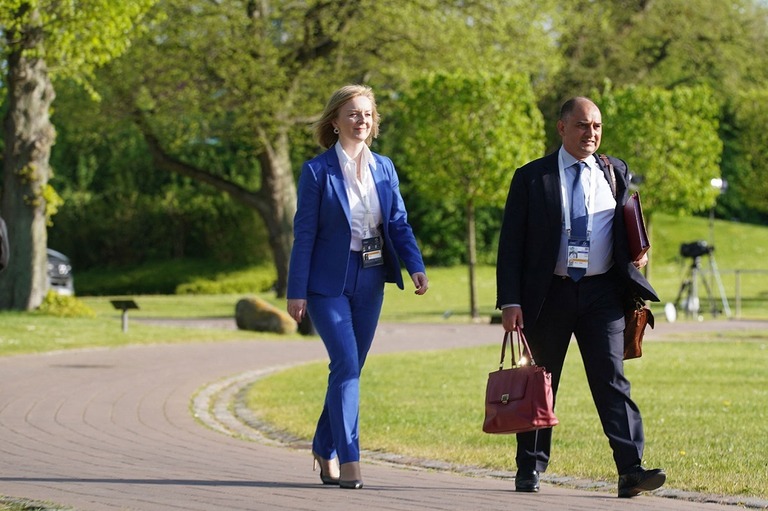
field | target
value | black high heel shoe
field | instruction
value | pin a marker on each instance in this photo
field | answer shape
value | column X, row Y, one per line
column 329, row 469
column 349, row 476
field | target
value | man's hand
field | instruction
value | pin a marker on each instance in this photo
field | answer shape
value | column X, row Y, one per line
column 512, row 317
column 641, row 262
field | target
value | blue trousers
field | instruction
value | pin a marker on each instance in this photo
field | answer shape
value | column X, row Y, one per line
column 346, row 324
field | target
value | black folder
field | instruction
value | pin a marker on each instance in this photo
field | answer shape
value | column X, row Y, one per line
column 635, row 224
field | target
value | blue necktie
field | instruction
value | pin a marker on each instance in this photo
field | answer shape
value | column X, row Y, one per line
column 578, row 215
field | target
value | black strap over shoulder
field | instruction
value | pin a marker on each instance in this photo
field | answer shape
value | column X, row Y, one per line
column 611, row 172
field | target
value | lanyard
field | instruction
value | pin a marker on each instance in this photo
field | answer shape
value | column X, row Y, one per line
column 566, row 203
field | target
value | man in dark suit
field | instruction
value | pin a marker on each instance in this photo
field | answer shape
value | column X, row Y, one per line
column 564, row 269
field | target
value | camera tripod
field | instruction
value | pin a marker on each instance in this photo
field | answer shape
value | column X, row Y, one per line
column 688, row 296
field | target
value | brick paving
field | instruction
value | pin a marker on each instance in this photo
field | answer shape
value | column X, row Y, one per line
column 115, row 429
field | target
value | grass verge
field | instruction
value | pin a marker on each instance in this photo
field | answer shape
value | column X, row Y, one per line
column 25, row 332
column 703, row 403
column 13, row 504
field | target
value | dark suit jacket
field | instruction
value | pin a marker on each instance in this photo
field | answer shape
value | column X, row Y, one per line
column 530, row 237
column 323, row 230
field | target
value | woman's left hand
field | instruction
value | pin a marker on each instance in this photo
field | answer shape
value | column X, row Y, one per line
column 421, row 282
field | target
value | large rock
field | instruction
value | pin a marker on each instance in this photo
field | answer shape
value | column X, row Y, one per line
column 261, row 316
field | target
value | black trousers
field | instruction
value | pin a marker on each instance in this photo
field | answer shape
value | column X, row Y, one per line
column 590, row 309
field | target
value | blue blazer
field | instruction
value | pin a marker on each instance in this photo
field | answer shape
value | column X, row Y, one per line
column 322, row 228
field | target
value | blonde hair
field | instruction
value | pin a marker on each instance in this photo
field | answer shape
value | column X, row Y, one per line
column 324, row 126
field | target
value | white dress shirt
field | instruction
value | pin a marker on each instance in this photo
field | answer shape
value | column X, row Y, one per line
column 603, row 208
column 364, row 205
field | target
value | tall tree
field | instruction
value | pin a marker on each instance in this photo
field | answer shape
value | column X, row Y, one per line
column 670, row 139
column 255, row 74
column 750, row 112
column 719, row 43
column 473, row 131
column 42, row 39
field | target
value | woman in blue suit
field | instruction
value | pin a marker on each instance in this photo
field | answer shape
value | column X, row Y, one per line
column 350, row 233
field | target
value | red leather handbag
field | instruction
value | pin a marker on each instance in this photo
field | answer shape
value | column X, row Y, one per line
column 518, row 399
column 637, row 315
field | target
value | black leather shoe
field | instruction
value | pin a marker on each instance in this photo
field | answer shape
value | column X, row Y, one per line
column 527, row 481
column 640, row 480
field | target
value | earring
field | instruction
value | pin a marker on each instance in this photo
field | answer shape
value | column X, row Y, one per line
column 336, row 130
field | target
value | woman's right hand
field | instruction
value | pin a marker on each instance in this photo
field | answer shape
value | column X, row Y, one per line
column 297, row 308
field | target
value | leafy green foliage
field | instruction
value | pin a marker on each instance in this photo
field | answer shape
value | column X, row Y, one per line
column 461, row 135
column 716, row 43
column 104, row 172
column 251, row 74
column 174, row 276
column 180, row 220
column 670, row 138
column 79, row 36
column 750, row 118
column 42, row 40
column 251, row 280
column 221, row 82
column 64, row 306
column 721, row 45
column 229, row 88
column 458, row 139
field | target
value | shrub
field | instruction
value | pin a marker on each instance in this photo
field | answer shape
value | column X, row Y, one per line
column 55, row 304
column 252, row 280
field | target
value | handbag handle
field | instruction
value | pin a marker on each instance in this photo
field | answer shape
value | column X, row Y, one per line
column 521, row 343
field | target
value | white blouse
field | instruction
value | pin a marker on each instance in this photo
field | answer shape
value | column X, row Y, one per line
column 364, row 205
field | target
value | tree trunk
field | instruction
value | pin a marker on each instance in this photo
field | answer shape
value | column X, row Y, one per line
column 279, row 191
column 28, row 137
column 472, row 252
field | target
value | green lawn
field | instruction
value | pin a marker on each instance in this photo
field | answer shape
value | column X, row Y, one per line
column 705, row 407
column 33, row 332
column 13, row 504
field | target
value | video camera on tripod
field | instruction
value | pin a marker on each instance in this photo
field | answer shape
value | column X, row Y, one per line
column 696, row 249
column 688, row 295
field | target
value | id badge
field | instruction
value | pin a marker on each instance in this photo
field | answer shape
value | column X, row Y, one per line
column 372, row 253
column 578, row 253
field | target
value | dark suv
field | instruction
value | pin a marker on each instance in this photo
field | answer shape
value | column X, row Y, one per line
column 60, row 277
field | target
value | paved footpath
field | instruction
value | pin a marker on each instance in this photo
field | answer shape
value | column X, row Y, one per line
column 115, row 429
